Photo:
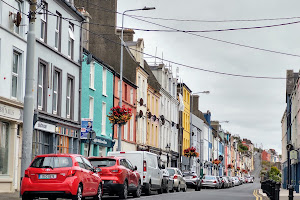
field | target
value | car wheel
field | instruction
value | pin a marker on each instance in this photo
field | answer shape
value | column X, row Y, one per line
column 185, row 188
column 198, row 187
column 178, row 188
column 99, row 193
column 172, row 188
column 78, row 196
column 24, row 197
column 124, row 191
column 161, row 189
column 167, row 188
column 148, row 189
column 138, row 191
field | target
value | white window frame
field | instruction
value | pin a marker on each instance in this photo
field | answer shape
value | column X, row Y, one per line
column 91, row 107
column 71, row 40
column 92, row 75
column 17, row 75
column 131, row 96
column 103, row 125
column 131, row 128
column 43, row 23
column 56, row 73
column 57, row 32
column 104, row 81
column 126, row 131
column 41, row 86
column 69, row 97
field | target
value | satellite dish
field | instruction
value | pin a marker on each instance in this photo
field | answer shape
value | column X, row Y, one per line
column 89, row 59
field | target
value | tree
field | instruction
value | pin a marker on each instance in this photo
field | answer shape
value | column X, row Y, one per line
column 274, row 174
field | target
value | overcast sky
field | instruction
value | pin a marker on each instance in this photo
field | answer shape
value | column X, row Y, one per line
column 254, row 107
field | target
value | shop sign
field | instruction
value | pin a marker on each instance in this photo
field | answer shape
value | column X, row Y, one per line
column 10, row 112
column 44, row 127
column 103, row 141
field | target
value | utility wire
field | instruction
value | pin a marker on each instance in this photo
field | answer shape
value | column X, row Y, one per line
column 97, row 7
column 14, row 7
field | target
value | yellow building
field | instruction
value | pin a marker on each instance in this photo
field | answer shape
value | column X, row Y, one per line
column 185, row 117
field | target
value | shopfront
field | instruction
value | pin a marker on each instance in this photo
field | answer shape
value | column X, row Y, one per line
column 54, row 138
column 99, row 146
column 11, row 117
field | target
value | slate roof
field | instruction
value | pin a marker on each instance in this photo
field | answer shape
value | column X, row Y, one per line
column 152, row 81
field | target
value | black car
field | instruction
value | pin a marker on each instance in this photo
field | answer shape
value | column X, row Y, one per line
column 192, row 180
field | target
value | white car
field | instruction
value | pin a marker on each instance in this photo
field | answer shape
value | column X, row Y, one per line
column 147, row 166
column 236, row 181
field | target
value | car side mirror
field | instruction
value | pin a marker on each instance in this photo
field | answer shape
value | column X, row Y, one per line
column 135, row 168
column 97, row 170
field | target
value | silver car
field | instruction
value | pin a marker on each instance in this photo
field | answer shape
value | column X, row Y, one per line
column 211, row 182
column 179, row 183
column 192, row 180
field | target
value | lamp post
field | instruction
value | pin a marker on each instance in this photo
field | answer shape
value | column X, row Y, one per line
column 168, row 147
column 121, row 68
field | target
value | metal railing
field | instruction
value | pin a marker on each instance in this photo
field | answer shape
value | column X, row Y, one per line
column 271, row 188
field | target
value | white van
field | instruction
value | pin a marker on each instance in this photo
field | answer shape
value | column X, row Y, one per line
column 147, row 166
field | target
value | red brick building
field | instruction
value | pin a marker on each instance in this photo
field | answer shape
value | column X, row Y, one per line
column 266, row 156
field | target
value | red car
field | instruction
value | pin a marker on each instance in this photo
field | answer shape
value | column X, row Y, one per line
column 55, row 176
column 119, row 176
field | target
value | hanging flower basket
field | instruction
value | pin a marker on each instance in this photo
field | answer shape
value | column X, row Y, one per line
column 119, row 115
column 191, row 152
column 238, row 168
column 216, row 162
column 230, row 166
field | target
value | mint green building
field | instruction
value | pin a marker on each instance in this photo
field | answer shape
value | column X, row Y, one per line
column 96, row 102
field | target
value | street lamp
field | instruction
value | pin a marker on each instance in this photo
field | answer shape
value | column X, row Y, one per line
column 168, row 147
column 121, row 67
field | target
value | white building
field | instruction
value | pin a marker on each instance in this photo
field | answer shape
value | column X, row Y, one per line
column 168, row 140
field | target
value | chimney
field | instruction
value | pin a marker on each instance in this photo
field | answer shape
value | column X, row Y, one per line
column 127, row 34
column 85, row 28
column 195, row 102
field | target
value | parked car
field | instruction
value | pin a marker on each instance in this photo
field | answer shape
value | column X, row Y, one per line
column 168, row 182
column 147, row 166
column 192, row 180
column 179, row 182
column 120, row 177
column 61, row 176
column 236, row 181
column 210, row 181
column 220, row 181
column 230, row 181
column 242, row 180
column 249, row 179
column 225, row 182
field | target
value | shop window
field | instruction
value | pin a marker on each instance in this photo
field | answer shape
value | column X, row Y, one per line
column 4, row 144
column 62, row 144
column 85, row 149
column 41, row 143
column 102, row 151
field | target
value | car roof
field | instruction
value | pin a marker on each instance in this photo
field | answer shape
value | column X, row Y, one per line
column 59, row 155
column 105, row 157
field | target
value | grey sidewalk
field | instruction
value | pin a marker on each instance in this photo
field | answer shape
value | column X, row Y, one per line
column 10, row 196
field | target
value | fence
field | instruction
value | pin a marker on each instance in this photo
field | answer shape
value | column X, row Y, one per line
column 271, row 188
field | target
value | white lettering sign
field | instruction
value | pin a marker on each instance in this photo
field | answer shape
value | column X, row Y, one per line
column 44, row 127
column 10, row 112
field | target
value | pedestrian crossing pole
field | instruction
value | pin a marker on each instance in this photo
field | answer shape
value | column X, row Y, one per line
column 29, row 92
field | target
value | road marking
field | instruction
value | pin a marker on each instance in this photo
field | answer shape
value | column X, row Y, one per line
column 258, row 197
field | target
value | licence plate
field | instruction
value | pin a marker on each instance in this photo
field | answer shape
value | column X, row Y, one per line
column 47, row 176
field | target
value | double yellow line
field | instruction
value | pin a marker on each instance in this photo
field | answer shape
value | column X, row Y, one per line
column 255, row 193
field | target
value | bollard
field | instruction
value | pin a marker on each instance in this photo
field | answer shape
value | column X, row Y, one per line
column 273, row 189
column 291, row 192
column 277, row 191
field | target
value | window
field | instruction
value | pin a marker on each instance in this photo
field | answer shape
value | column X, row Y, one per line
column 15, row 74
column 41, row 143
column 62, row 144
column 131, row 128
column 125, row 91
column 57, row 44
column 54, row 162
column 42, row 88
column 126, row 131
column 71, row 41
column 143, row 90
column 91, row 108
column 170, row 86
column 119, row 83
column 85, row 149
column 92, row 75
column 87, row 164
column 104, row 81
column 103, row 118
column 4, row 142
column 148, row 102
column 80, row 162
column 131, row 96
column 19, row 6
column 70, row 96
column 139, row 88
column 56, row 97
column 44, row 17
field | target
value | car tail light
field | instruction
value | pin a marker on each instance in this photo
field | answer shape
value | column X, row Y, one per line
column 175, row 176
column 215, row 181
column 202, row 181
column 115, row 170
column 71, row 173
column 194, row 176
column 144, row 166
column 222, row 181
column 122, row 152
column 26, row 173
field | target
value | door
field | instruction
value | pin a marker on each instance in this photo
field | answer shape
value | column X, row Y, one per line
column 132, row 177
column 85, row 176
column 181, row 180
column 126, row 171
column 93, row 178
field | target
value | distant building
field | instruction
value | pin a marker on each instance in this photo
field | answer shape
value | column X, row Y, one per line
column 265, row 156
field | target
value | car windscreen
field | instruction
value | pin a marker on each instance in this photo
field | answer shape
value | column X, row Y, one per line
column 52, row 162
column 171, row 172
column 104, row 162
column 188, row 174
column 209, row 178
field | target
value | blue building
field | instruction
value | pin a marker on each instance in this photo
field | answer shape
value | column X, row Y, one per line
column 97, row 100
